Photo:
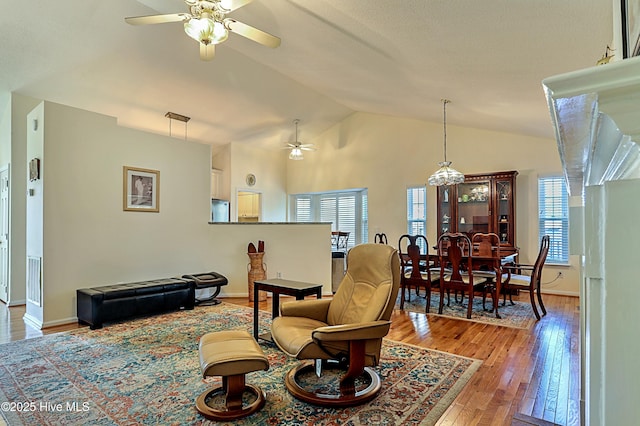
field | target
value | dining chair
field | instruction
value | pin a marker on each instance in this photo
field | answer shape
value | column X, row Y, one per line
column 380, row 238
column 416, row 268
column 527, row 277
column 487, row 245
column 456, row 268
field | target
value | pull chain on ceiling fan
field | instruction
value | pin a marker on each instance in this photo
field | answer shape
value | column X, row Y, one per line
column 208, row 25
column 297, row 147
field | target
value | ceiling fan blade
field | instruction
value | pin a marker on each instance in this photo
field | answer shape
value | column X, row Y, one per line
column 307, row 148
column 252, row 33
column 157, row 19
column 207, row 51
column 234, row 4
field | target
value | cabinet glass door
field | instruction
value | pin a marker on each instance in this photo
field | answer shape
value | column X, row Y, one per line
column 444, row 209
column 504, row 197
column 473, row 207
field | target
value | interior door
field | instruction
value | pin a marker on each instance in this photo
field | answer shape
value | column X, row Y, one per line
column 4, row 234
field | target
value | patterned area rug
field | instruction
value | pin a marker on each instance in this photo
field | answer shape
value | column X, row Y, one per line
column 519, row 315
column 147, row 372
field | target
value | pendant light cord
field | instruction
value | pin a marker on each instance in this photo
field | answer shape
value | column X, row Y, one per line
column 444, row 107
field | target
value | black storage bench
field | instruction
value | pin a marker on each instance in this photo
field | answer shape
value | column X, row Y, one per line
column 121, row 301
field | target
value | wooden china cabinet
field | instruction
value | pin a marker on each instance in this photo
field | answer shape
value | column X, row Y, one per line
column 483, row 203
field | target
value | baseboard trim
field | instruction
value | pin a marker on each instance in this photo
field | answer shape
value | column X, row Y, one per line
column 32, row 321
column 561, row 293
column 64, row 321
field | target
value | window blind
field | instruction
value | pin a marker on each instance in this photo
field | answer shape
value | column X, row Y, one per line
column 346, row 211
column 553, row 204
column 417, row 213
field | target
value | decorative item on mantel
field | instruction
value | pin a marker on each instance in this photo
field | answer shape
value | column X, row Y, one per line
column 606, row 57
column 257, row 270
column 445, row 175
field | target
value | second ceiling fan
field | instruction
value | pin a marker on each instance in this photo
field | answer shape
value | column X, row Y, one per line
column 207, row 24
column 297, row 147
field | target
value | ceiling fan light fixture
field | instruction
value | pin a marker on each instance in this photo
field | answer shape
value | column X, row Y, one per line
column 296, row 154
column 206, row 30
column 445, row 175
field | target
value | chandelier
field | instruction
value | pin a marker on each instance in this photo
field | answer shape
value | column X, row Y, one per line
column 445, row 175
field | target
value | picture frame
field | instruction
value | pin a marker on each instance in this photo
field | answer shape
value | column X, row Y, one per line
column 141, row 189
column 630, row 15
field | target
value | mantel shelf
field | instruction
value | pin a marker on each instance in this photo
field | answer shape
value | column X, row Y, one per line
column 597, row 123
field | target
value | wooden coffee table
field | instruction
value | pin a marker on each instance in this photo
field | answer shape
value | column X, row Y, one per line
column 278, row 286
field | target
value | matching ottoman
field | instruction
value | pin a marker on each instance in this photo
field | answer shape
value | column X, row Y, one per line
column 230, row 354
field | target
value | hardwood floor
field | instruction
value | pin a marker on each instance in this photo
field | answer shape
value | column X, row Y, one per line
column 533, row 372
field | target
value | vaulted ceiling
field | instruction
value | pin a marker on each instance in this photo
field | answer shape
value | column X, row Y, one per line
column 398, row 58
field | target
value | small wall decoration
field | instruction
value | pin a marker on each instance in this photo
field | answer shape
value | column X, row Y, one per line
column 141, row 189
column 34, row 169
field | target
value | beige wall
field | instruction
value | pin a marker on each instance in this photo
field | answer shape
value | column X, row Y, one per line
column 269, row 167
column 88, row 240
column 386, row 154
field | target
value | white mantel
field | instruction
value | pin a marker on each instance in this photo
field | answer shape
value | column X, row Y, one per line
column 596, row 114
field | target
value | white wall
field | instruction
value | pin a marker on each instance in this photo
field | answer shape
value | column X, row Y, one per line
column 5, row 128
column 20, row 107
column 386, row 154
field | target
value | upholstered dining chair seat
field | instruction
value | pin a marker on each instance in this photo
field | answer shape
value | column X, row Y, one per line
column 435, row 274
column 519, row 279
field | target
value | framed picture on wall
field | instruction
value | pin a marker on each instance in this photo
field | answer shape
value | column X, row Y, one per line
column 630, row 28
column 141, row 190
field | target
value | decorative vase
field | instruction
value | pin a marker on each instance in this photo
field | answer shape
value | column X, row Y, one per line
column 257, row 271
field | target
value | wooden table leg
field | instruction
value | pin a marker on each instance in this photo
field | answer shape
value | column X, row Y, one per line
column 255, row 312
column 275, row 304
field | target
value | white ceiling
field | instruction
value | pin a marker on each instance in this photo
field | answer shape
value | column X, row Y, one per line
column 382, row 56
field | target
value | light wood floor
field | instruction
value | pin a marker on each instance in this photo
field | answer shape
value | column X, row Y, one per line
column 534, row 372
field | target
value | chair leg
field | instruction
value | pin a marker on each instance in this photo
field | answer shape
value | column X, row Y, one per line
column 428, row 296
column 484, row 297
column 402, row 297
column 533, row 304
column 470, row 304
column 544, row 311
column 441, row 299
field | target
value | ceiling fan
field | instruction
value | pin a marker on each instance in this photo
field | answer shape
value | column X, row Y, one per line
column 297, row 147
column 206, row 23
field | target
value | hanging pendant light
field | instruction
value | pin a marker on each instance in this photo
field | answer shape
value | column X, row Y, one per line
column 445, row 175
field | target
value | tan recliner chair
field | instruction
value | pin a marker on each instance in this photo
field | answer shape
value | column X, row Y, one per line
column 348, row 328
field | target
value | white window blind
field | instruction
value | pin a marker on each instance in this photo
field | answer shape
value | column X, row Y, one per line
column 302, row 208
column 553, row 204
column 346, row 211
column 417, row 213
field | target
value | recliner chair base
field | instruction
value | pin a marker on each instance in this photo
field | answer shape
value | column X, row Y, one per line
column 345, row 398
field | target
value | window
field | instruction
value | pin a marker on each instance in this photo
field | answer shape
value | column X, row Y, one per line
column 417, row 213
column 553, row 204
column 346, row 210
